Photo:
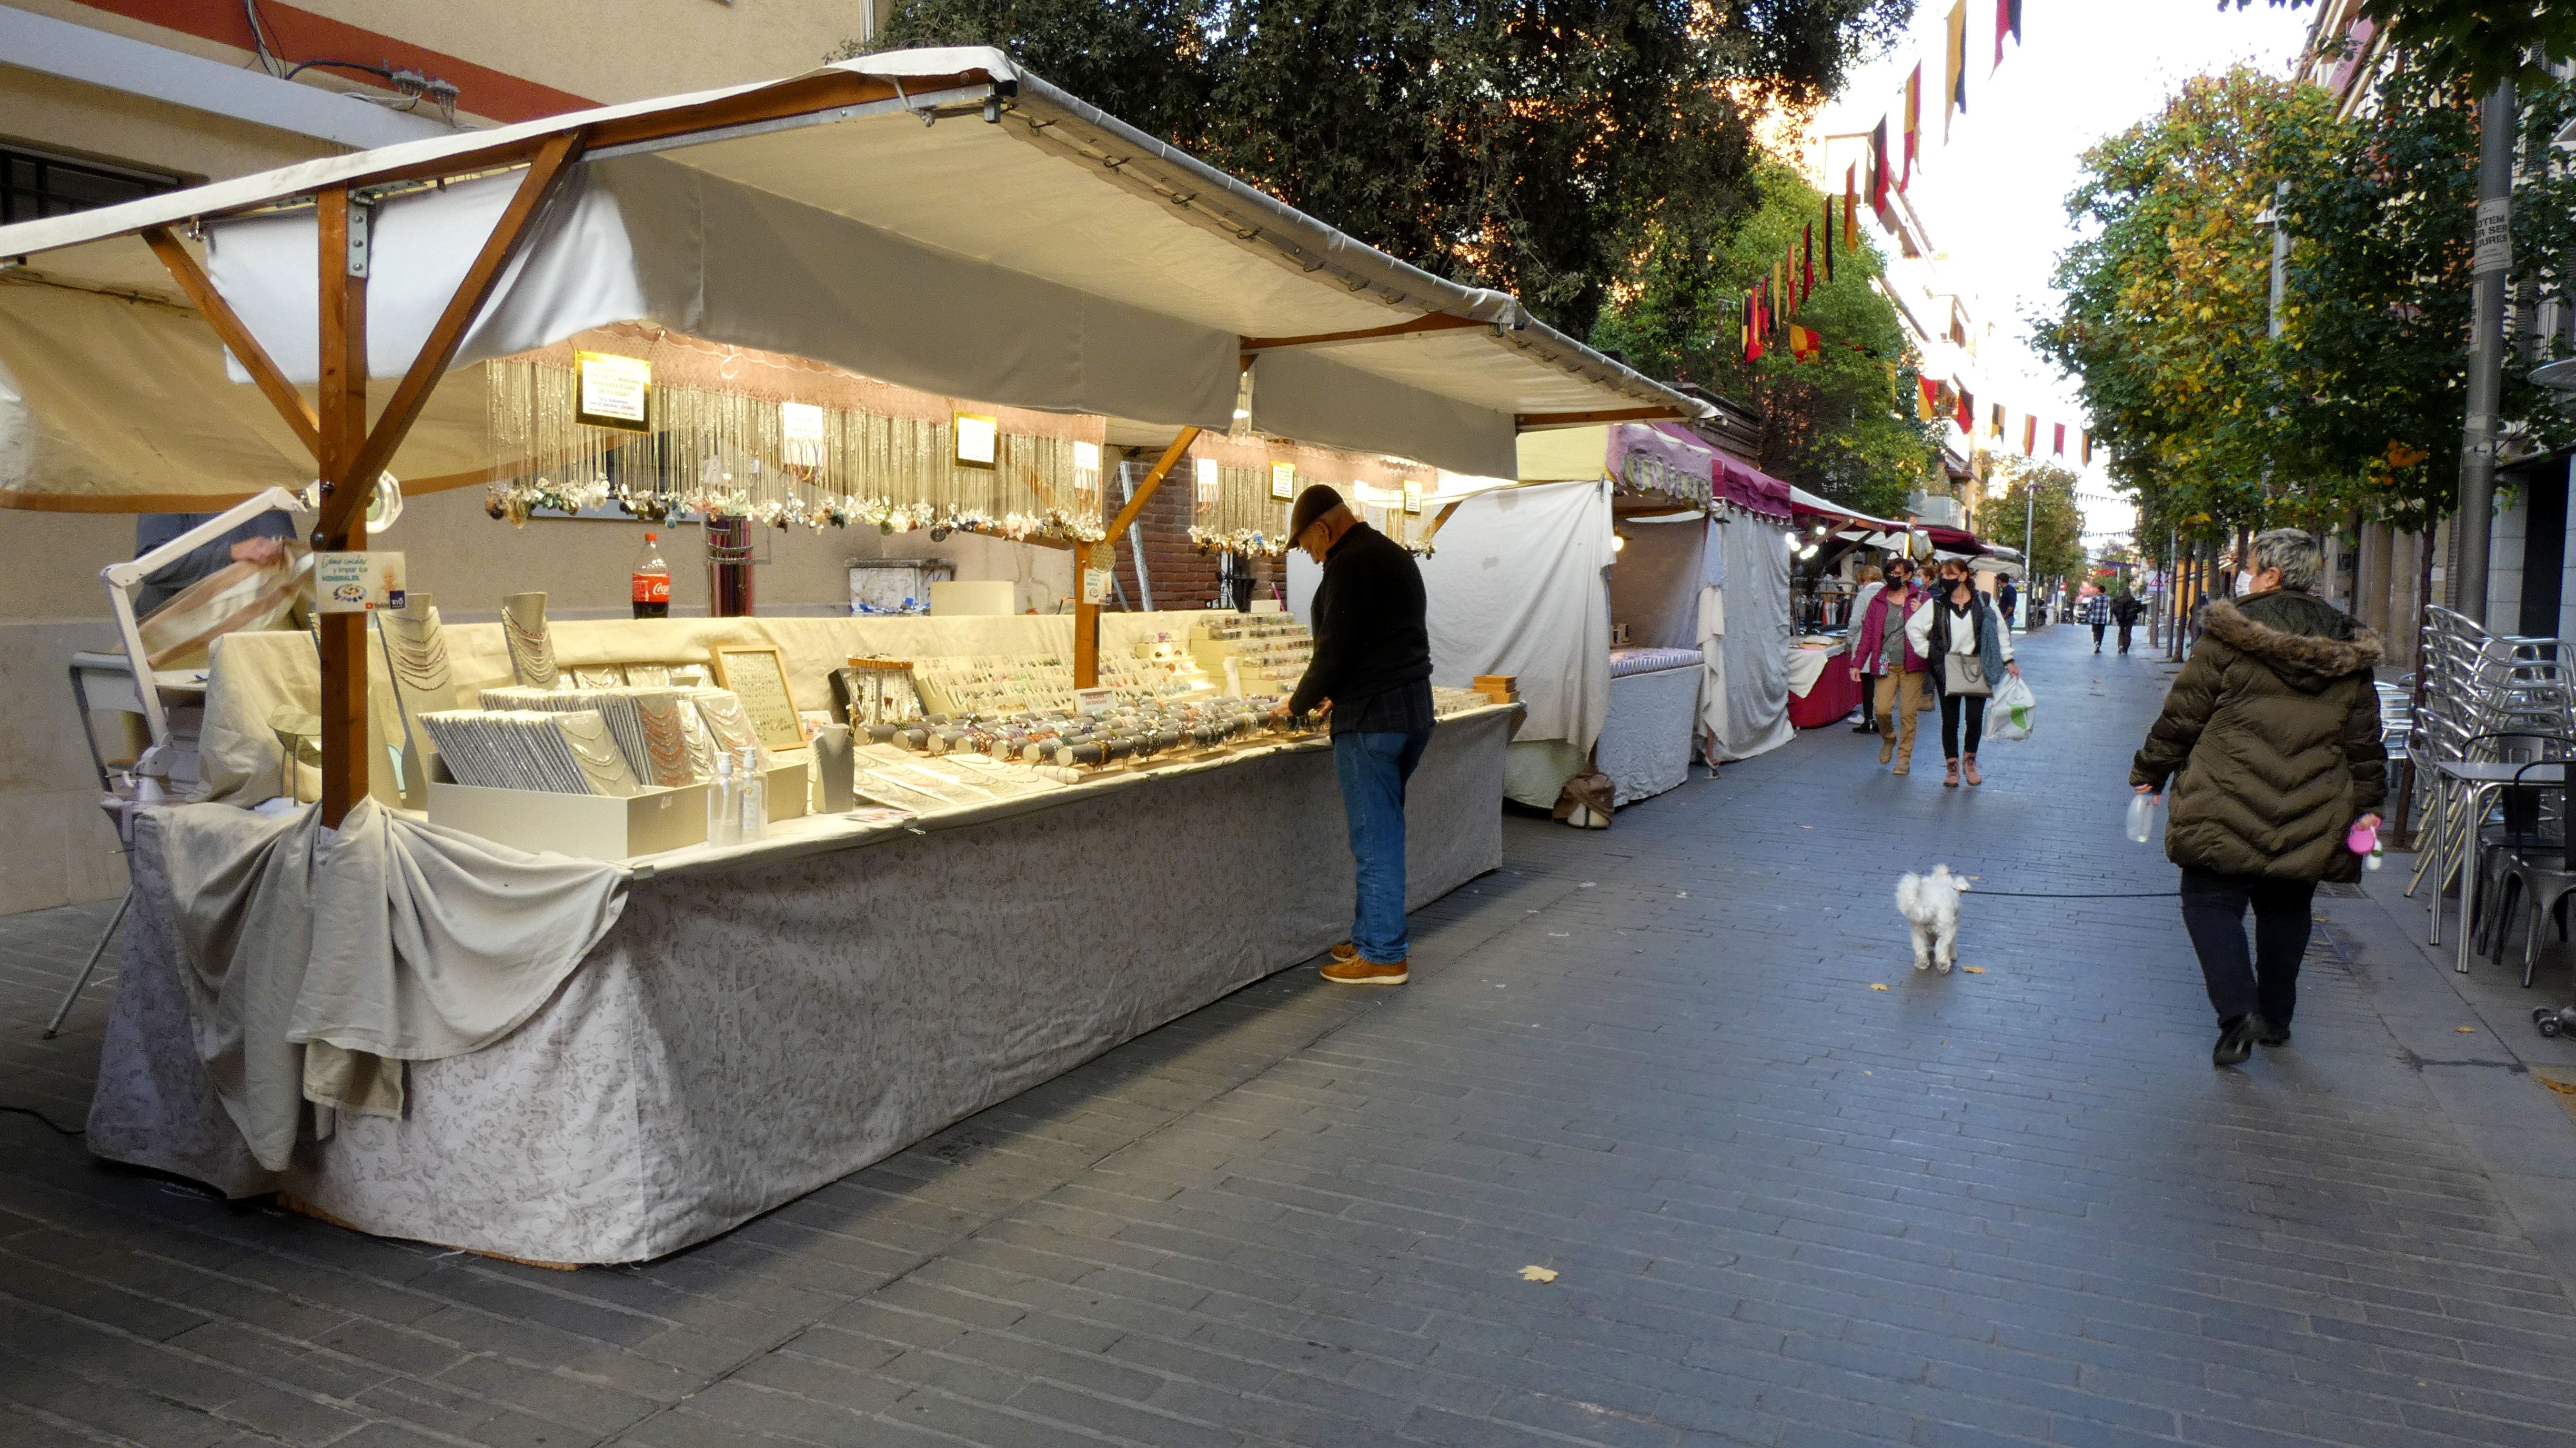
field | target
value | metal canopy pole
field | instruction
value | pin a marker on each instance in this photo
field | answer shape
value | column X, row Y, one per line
column 2494, row 257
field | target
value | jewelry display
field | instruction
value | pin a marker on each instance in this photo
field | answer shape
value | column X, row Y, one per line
column 728, row 728
column 532, row 649
column 656, row 750
column 415, row 647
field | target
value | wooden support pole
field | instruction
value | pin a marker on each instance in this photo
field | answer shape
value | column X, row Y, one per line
column 1086, row 619
column 236, row 337
column 343, row 436
column 1086, row 614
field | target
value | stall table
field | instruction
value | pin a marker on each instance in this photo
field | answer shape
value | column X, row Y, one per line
column 1830, row 693
column 764, row 1019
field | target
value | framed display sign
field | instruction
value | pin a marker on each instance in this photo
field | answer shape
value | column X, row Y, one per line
column 757, row 675
column 1283, row 481
column 979, row 440
column 1413, row 498
column 613, row 392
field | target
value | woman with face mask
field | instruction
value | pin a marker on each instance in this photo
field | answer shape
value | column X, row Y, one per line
column 1967, row 651
column 2271, row 740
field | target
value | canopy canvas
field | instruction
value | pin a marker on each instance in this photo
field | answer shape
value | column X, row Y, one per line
column 1025, row 249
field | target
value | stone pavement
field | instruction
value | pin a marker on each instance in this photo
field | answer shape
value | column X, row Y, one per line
column 1781, row 1206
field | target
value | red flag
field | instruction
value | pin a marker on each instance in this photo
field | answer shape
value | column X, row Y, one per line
column 1878, row 182
column 2007, row 22
column 2059, row 447
column 2029, row 436
column 1967, row 411
column 1804, row 344
column 1752, row 328
column 1929, row 407
column 1913, row 126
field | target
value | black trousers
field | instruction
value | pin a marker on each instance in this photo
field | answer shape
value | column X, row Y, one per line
column 2097, row 636
column 2124, row 636
column 2267, row 979
column 1951, row 709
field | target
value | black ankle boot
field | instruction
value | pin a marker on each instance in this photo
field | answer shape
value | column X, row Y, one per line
column 2235, row 1041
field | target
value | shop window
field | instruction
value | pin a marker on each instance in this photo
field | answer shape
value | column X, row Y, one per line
column 34, row 184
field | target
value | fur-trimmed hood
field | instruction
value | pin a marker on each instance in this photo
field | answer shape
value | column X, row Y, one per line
column 2308, row 642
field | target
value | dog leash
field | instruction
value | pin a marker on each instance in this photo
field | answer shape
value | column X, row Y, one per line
column 2107, row 895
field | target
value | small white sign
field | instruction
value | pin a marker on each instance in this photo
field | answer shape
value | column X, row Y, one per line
column 1095, row 586
column 1283, row 481
column 1094, row 701
column 358, row 582
column 979, row 440
column 613, row 391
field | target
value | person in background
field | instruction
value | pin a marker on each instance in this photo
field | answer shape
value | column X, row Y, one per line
column 1968, row 652
column 1881, row 654
column 1371, row 670
column 2094, row 610
column 2126, row 610
column 1872, row 581
column 260, row 540
column 2270, row 739
column 2007, row 595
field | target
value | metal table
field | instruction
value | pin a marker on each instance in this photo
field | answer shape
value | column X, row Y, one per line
column 2478, row 782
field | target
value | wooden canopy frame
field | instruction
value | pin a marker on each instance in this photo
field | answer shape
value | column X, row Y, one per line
column 350, row 454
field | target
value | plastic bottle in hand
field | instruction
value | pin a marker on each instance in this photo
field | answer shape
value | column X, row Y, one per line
column 650, row 583
column 2142, row 818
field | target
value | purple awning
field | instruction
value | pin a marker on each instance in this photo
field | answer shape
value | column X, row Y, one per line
column 1751, row 489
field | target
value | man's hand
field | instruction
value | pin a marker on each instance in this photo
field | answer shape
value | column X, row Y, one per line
column 262, row 551
column 2148, row 790
column 2366, row 822
column 1279, row 712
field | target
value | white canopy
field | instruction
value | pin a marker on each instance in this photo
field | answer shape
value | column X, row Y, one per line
column 1025, row 250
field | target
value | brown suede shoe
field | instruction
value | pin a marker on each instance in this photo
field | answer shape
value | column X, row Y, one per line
column 1886, row 749
column 1345, row 952
column 1356, row 971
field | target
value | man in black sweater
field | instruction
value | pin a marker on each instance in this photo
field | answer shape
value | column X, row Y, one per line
column 1372, row 671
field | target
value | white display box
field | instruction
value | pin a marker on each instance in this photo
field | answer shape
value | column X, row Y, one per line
column 585, row 826
column 787, row 786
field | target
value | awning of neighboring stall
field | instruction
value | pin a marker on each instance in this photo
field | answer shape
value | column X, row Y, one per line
column 1805, row 504
column 1752, row 489
column 1026, row 249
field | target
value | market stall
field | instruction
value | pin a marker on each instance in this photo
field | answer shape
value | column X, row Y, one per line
column 1830, row 538
column 630, row 930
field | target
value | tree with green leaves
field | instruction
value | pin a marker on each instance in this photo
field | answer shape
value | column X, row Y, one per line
column 1832, row 421
column 2474, row 43
column 2042, row 494
column 1520, row 146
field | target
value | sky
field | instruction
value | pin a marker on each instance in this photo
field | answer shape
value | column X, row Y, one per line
column 1993, row 199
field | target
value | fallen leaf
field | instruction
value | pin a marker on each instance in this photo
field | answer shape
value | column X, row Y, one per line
column 2466, row 1030
column 1974, row 969
column 1877, row 987
column 1538, row 1274
column 2561, row 1087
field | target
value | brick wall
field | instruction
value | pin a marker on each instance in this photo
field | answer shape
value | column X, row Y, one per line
column 1182, row 576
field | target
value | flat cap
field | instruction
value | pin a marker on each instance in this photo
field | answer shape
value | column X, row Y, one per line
column 1315, row 502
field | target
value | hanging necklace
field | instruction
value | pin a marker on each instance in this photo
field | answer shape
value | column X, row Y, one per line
column 666, row 741
column 532, row 654
column 417, row 650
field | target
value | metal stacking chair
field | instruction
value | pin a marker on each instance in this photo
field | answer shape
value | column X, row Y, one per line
column 2488, row 699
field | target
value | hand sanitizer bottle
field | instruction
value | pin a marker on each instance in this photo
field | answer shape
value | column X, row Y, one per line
column 724, row 806
column 752, row 792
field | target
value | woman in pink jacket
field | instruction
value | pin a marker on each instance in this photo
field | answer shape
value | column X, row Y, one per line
column 1880, row 649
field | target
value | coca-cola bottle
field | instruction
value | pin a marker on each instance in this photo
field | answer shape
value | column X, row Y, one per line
column 652, row 582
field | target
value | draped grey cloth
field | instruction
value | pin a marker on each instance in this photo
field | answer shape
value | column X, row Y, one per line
column 313, row 958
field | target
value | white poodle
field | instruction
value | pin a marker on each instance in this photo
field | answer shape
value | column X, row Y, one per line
column 1930, row 903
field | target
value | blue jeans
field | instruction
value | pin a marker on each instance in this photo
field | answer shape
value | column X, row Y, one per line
column 1373, row 768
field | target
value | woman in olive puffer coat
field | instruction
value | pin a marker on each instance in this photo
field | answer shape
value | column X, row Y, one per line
column 2271, row 739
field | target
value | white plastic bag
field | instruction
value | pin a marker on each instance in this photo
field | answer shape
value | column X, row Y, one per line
column 2011, row 712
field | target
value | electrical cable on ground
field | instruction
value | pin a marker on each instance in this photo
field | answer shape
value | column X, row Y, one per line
column 49, row 1121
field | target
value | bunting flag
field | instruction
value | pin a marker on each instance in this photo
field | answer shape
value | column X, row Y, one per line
column 1851, row 203
column 1753, row 348
column 2058, row 447
column 2029, row 436
column 1954, row 70
column 1999, row 407
column 1878, row 183
column 1913, row 126
column 1807, row 265
column 1804, row 344
column 1829, row 238
column 2007, row 22
column 1890, row 369
column 1967, row 417
column 1928, row 399
column 2084, row 442
column 1780, row 293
